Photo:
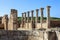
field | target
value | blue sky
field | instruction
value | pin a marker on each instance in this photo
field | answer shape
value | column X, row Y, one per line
column 28, row 5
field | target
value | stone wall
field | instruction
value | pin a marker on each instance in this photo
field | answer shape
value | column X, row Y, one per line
column 0, row 20
column 29, row 27
column 55, row 23
column 27, row 35
column 13, row 35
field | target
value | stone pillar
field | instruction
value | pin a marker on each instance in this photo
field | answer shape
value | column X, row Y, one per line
column 37, row 18
column 5, row 22
column 32, row 18
column 13, row 20
column 48, row 16
column 41, row 20
column 37, row 15
column 28, row 19
column 22, row 21
column 24, row 16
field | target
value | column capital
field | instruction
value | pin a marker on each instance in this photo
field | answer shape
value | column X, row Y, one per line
column 28, row 11
column 48, row 6
column 14, row 10
column 41, row 8
column 25, row 13
column 32, row 10
column 22, row 14
column 5, row 15
column 37, row 9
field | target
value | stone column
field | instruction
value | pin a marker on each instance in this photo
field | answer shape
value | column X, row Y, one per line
column 37, row 18
column 28, row 19
column 41, row 20
column 5, row 22
column 22, row 21
column 48, row 16
column 37, row 15
column 22, row 18
column 32, row 18
column 13, row 20
column 24, row 15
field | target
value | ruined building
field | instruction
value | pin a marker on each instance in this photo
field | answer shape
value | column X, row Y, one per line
column 33, row 29
column 12, row 22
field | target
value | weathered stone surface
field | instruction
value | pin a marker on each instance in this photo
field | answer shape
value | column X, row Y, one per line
column 41, row 10
column 13, row 35
column 28, row 35
column 48, row 16
column 52, row 36
column 12, row 32
column 12, row 24
column 5, row 22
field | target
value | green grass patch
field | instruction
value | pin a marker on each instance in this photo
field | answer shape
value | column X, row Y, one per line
column 52, row 18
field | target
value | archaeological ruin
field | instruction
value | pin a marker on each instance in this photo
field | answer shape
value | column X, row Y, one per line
column 29, row 28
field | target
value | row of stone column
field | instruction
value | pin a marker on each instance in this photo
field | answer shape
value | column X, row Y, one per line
column 41, row 20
